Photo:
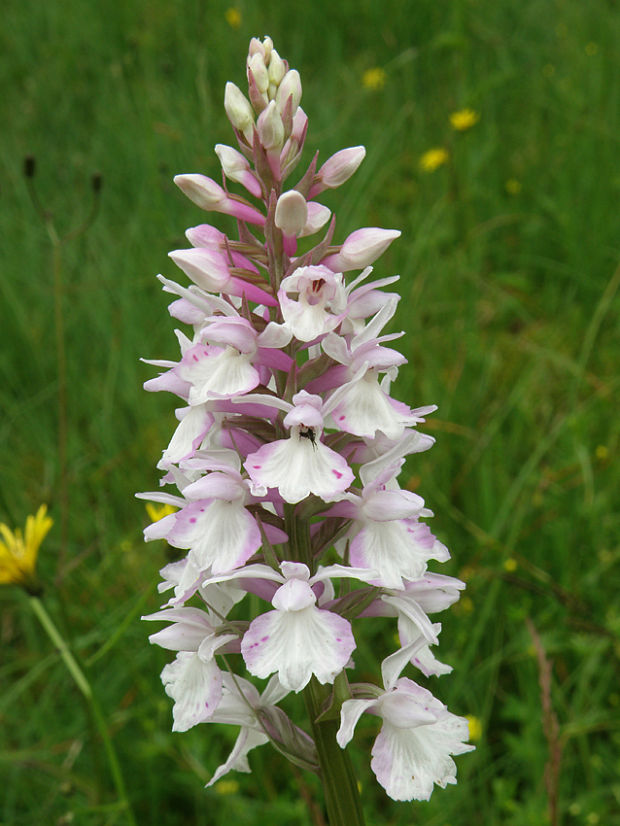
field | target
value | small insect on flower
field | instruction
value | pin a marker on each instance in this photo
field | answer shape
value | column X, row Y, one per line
column 308, row 433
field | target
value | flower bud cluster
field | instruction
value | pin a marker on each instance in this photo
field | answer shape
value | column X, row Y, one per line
column 285, row 460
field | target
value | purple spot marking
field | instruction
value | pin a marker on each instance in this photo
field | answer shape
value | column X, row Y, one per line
column 264, row 639
column 256, row 467
column 337, row 474
column 195, row 357
column 193, row 519
column 341, row 418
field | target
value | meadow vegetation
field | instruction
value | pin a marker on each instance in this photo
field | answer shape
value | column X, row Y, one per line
column 509, row 281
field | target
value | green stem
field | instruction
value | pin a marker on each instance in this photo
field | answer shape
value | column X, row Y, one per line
column 342, row 800
column 61, row 362
column 85, row 688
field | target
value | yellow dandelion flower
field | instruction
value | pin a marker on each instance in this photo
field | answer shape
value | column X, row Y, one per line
column 432, row 159
column 374, row 79
column 466, row 605
column 513, row 187
column 510, row 564
column 464, row 119
column 157, row 512
column 601, row 452
column 475, row 727
column 224, row 787
column 233, row 17
column 18, row 554
column 467, row 572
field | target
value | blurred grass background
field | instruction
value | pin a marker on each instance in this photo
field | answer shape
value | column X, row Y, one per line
column 509, row 265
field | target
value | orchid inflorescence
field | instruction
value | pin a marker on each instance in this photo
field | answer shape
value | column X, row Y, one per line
column 286, row 460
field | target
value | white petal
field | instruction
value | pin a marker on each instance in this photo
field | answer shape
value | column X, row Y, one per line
column 222, row 535
column 412, row 751
column 188, row 435
column 189, row 627
column 237, row 759
column 429, row 665
column 392, row 666
column 298, row 467
column 306, row 321
column 274, row 335
column 298, row 644
column 195, row 686
column 228, row 373
column 386, row 547
column 365, row 409
column 350, row 713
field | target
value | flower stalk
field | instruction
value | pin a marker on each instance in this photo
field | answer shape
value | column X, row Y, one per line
column 340, row 785
column 85, row 688
column 18, row 556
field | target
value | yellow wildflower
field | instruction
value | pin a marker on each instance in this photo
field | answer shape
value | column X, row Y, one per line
column 475, row 727
column 513, row 187
column 434, row 158
column 18, row 554
column 601, row 452
column 157, row 512
column 464, row 119
column 374, row 78
column 233, row 17
column 510, row 564
column 465, row 605
column 467, row 572
column 226, row 787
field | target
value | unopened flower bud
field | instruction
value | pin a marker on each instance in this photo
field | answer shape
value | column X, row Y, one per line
column 339, row 168
column 289, row 86
column 361, row 248
column 277, row 69
column 233, row 162
column 256, row 47
column 318, row 216
column 291, row 212
column 270, row 127
column 259, row 72
column 208, row 195
column 239, row 110
column 300, row 125
column 237, row 168
column 201, row 190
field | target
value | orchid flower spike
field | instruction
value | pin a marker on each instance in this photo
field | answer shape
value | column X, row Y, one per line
column 285, row 458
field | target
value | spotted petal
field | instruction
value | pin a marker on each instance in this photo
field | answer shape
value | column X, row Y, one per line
column 195, row 686
column 221, row 535
column 298, row 644
column 298, row 467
